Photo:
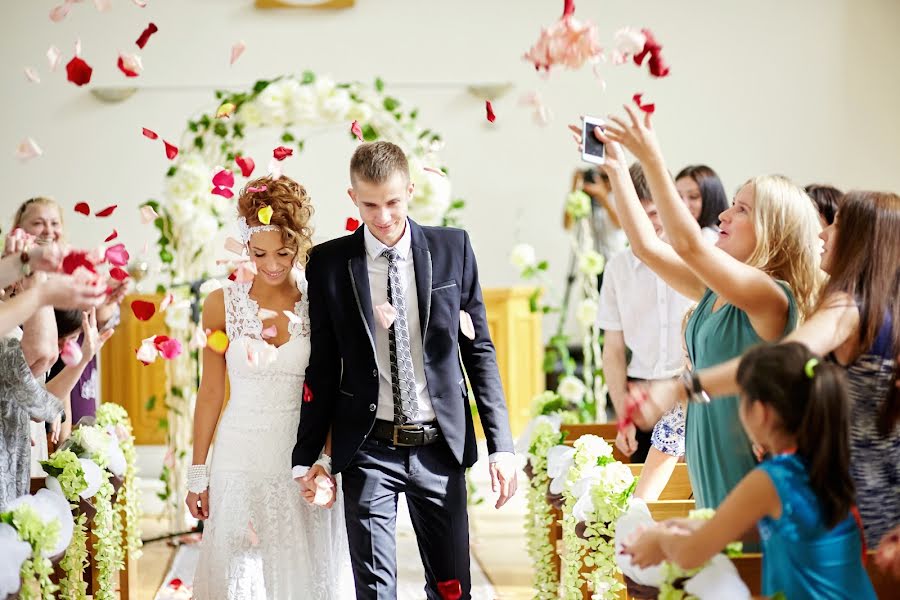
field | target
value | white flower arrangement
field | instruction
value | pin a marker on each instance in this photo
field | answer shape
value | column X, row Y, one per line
column 586, row 313
column 523, row 256
column 571, row 389
column 13, row 553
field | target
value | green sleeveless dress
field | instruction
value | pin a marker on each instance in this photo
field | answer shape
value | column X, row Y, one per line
column 717, row 450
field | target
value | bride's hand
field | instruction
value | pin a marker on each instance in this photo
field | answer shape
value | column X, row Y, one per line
column 198, row 504
column 308, row 485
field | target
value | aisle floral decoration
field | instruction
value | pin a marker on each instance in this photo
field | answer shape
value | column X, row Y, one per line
column 114, row 417
column 543, row 433
column 595, row 491
column 189, row 214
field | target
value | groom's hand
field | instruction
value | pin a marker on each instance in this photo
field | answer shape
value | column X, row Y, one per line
column 504, row 477
column 308, row 485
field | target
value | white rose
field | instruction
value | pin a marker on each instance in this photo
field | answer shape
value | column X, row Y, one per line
column 91, row 439
column 571, row 389
column 432, row 194
column 13, row 553
column 586, row 313
column 117, row 463
column 523, row 256
column 359, row 111
column 249, row 114
column 273, row 102
column 323, row 86
column 336, row 105
column 205, row 227
column 191, row 181
column 305, row 106
column 92, row 475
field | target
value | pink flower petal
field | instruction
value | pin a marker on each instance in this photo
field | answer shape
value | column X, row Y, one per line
column 130, row 64
column 170, row 349
column 385, row 314
column 245, row 164
column 233, row 245
column 71, row 354
column 28, row 149
column 171, row 150
column 78, row 71
column 32, row 75
column 198, row 339
column 224, row 178
column 236, row 50
column 166, row 301
column 465, row 325
column 149, row 133
column 355, row 130
column 269, row 332
column 53, row 57
column 223, row 191
column 83, row 208
column 106, row 212
column 245, row 272
column 489, row 109
column 145, row 35
column 111, row 236
column 117, row 255
column 60, row 12
column 435, row 171
column 265, row 314
column 257, row 189
column 140, row 3
column 148, row 215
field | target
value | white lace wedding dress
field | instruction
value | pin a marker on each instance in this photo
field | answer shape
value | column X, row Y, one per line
column 262, row 541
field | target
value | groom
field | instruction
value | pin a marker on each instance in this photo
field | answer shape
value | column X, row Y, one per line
column 385, row 376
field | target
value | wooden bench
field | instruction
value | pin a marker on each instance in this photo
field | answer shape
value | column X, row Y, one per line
column 607, row 431
column 677, row 488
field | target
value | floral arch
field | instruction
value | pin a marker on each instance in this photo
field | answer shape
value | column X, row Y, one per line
column 190, row 214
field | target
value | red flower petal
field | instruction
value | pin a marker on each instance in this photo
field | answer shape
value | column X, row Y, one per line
column 490, row 111
column 233, row 276
column 281, row 153
column 145, row 35
column 568, row 8
column 450, row 590
column 78, row 71
column 118, row 274
column 658, row 66
column 246, row 164
column 142, row 309
column 149, row 133
column 128, row 72
column 175, row 583
column 83, row 208
column 109, row 210
column 112, row 236
column 307, row 393
column 117, row 255
column 647, row 108
column 352, row 224
column 355, row 130
column 223, row 178
column 171, row 150
column 76, row 259
column 223, row 191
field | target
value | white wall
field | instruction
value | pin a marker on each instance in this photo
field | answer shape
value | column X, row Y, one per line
column 807, row 88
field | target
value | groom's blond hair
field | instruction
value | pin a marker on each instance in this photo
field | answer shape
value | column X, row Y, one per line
column 375, row 162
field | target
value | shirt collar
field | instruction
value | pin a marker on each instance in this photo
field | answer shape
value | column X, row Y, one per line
column 374, row 247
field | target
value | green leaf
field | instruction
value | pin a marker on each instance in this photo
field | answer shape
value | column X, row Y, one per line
column 379, row 84
column 287, row 137
column 160, row 289
column 308, row 77
column 220, row 129
column 391, row 104
column 193, row 126
column 414, row 113
column 300, row 145
column 166, row 256
column 425, row 133
column 220, row 94
column 177, row 392
column 260, row 85
column 152, row 204
column 369, row 133
column 163, row 424
column 151, row 402
column 198, row 142
column 205, row 121
column 238, row 130
column 172, row 170
column 543, row 265
column 457, row 204
column 182, row 453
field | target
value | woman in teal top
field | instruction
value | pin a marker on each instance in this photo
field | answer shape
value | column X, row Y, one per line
column 752, row 285
column 793, row 405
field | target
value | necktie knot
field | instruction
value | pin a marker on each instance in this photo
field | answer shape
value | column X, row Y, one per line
column 390, row 254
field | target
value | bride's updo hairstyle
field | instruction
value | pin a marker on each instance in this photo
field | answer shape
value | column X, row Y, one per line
column 291, row 211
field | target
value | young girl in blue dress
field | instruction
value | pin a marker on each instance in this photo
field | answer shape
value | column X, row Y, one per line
column 801, row 498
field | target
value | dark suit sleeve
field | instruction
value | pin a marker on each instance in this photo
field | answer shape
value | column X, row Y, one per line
column 480, row 361
column 322, row 374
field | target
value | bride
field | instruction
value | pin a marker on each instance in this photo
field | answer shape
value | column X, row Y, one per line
column 261, row 539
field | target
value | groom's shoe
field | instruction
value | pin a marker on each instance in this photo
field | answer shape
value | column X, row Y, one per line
column 414, row 434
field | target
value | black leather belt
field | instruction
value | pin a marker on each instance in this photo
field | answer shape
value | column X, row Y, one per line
column 415, row 434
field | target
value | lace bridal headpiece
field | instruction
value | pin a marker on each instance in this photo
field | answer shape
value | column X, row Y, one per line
column 245, row 231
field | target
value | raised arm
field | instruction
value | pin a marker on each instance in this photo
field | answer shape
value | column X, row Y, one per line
column 746, row 287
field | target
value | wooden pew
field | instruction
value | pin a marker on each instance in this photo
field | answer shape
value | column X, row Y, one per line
column 677, row 488
column 661, row 510
column 607, row 431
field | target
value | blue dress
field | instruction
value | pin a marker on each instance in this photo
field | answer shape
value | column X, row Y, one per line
column 801, row 558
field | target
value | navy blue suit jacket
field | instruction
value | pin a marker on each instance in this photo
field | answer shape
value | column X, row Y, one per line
column 343, row 375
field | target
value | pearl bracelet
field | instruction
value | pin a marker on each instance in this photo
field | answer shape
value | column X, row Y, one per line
column 197, row 478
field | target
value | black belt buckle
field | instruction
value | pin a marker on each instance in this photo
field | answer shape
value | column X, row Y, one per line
column 398, row 428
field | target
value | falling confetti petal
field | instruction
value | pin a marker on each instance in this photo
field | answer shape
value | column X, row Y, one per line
column 223, row 178
column 149, row 133
column 252, row 535
column 465, row 325
column 143, row 310
column 281, row 153
column 656, row 64
column 490, row 111
column 78, row 71
column 245, row 272
column 148, row 215
column 355, row 130
column 130, row 64
column 452, row 590
column 435, row 171
column 60, row 12
column 140, row 3
column 111, row 236
column 236, row 50
column 246, row 165
column 119, row 274
column 147, row 352
column 269, row 332
column 292, row 317
column 166, row 301
column 542, row 114
column 217, row 341
column 117, row 255
column 352, row 224
column 232, row 245
column 567, row 43
column 274, row 170
column 75, row 260
column 169, row 349
column 223, row 191
column 83, row 208
column 171, row 150
column 109, row 210
column 628, row 42
column 257, row 189
column 385, row 313
column 265, row 314
column 28, row 149
column 265, row 215
column 71, row 354
column 647, row 108
column 145, row 35
column 32, row 75
column 225, row 111
column 53, row 57
column 198, row 340
column 307, row 393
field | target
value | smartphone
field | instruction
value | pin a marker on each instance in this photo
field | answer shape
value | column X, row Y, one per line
column 592, row 150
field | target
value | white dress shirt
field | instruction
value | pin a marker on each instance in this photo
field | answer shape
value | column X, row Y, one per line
column 637, row 302
column 378, row 284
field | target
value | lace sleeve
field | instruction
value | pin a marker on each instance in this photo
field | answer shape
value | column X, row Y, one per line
column 20, row 385
column 241, row 318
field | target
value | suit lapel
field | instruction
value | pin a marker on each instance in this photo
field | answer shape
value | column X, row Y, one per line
column 359, row 280
column 422, row 266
